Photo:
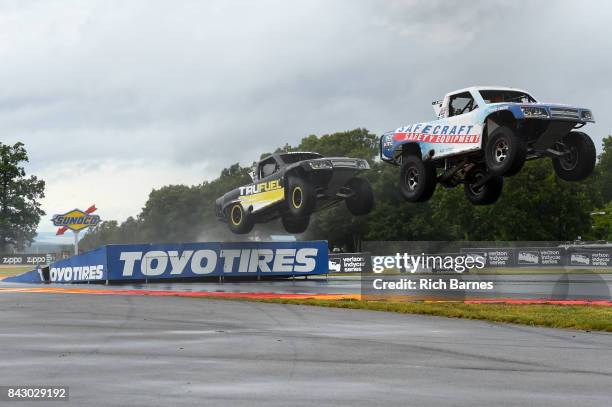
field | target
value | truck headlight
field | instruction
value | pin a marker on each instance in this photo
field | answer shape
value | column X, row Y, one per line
column 586, row 115
column 321, row 165
column 535, row 112
column 387, row 141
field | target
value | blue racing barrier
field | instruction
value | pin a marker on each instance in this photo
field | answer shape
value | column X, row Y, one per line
column 150, row 262
column 33, row 276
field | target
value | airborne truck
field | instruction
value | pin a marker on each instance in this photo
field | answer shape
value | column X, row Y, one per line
column 484, row 134
column 294, row 185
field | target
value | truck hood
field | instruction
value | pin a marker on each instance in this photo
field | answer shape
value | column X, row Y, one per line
column 346, row 162
column 554, row 110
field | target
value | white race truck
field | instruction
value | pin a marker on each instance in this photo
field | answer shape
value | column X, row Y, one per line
column 483, row 134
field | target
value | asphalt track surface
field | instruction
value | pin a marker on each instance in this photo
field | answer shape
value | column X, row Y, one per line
column 145, row 351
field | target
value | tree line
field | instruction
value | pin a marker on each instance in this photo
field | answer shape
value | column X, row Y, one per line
column 535, row 205
column 20, row 195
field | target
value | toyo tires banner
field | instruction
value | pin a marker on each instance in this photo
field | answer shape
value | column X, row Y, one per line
column 216, row 259
column 90, row 266
column 190, row 260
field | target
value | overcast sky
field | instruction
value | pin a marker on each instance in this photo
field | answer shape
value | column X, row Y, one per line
column 114, row 98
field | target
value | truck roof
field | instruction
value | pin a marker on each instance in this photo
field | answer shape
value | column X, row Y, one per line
column 478, row 88
column 278, row 154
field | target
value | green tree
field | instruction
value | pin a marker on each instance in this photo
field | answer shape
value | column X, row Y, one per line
column 170, row 214
column 604, row 170
column 20, row 196
column 535, row 205
column 103, row 233
column 358, row 143
column 602, row 223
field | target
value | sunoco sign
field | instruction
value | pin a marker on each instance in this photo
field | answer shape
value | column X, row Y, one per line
column 75, row 220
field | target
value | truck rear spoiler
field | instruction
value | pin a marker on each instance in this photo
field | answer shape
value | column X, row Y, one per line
column 437, row 107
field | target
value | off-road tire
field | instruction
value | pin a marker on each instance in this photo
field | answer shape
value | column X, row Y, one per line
column 486, row 194
column 362, row 200
column 505, row 152
column 295, row 225
column 300, row 197
column 417, row 179
column 579, row 163
column 239, row 221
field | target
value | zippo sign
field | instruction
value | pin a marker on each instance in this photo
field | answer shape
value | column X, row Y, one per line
column 26, row 259
column 192, row 260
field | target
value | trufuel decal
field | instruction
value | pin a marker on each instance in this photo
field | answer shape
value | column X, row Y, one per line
column 262, row 194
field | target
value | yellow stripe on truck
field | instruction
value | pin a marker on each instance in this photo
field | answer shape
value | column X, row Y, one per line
column 266, row 197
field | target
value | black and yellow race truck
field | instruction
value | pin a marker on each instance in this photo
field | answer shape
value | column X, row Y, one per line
column 292, row 186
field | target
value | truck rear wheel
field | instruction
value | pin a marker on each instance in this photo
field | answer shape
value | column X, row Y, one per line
column 485, row 194
column 417, row 179
column 362, row 201
column 301, row 198
column 579, row 161
column 295, row 225
column 505, row 152
column 239, row 221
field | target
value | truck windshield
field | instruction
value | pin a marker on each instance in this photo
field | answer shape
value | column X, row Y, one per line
column 290, row 158
column 499, row 96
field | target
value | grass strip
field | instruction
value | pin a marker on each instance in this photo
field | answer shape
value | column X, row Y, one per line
column 582, row 317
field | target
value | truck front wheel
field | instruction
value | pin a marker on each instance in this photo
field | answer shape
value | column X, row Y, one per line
column 579, row 159
column 362, row 200
column 239, row 221
column 417, row 179
column 505, row 152
column 301, row 198
column 485, row 194
column 295, row 225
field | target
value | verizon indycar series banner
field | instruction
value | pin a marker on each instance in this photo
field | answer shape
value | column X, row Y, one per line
column 572, row 256
column 350, row 263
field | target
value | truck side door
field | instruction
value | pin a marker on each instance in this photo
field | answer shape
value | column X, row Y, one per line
column 268, row 189
column 457, row 129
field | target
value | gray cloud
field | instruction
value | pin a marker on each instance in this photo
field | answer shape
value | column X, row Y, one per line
column 115, row 91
